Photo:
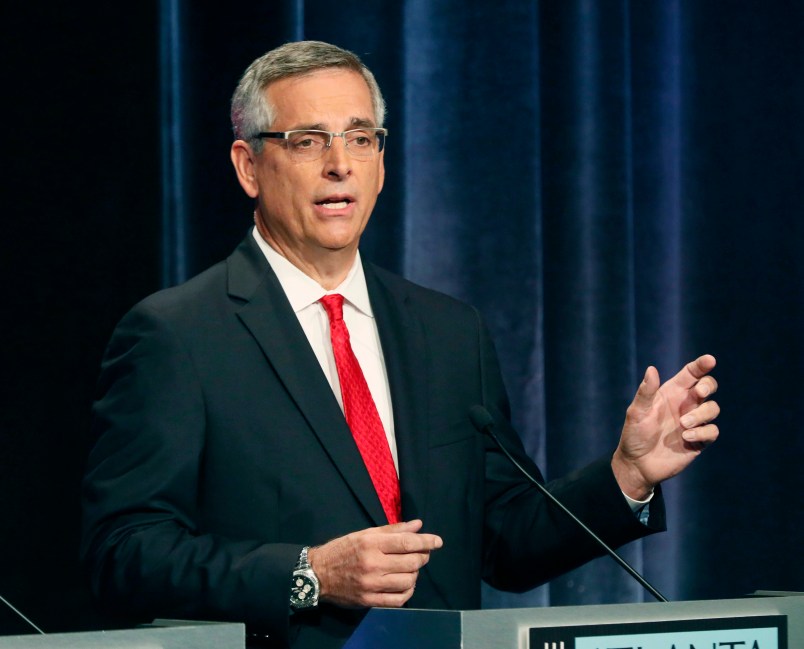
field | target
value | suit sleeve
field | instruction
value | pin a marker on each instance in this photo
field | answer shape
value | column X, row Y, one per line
column 526, row 540
column 141, row 540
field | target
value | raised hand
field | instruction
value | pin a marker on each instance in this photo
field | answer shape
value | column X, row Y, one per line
column 666, row 427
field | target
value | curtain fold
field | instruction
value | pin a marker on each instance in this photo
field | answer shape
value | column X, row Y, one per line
column 614, row 184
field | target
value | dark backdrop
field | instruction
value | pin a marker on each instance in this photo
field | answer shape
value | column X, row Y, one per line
column 614, row 184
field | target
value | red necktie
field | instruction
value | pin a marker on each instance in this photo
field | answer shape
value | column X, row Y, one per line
column 361, row 412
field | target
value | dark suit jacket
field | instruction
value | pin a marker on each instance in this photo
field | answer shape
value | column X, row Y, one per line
column 220, row 450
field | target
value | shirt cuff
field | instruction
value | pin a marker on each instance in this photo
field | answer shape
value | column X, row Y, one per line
column 641, row 508
column 636, row 505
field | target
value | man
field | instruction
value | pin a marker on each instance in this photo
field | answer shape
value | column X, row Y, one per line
column 234, row 478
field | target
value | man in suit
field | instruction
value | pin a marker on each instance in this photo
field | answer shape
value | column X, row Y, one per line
column 225, row 481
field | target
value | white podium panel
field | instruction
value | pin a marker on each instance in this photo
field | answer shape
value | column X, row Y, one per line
column 513, row 628
column 163, row 635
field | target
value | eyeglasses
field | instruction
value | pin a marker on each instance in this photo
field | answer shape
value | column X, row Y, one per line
column 304, row 146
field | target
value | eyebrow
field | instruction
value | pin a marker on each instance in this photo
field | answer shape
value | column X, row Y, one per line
column 318, row 126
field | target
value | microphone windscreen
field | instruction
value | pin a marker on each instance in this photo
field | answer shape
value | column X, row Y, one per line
column 481, row 418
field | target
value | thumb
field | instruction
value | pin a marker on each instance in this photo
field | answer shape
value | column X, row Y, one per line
column 405, row 526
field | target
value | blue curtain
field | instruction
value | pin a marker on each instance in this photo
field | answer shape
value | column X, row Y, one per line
column 614, row 184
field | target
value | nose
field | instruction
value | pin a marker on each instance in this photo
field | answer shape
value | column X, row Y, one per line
column 337, row 161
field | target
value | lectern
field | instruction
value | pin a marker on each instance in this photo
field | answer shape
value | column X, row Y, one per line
column 166, row 634
column 751, row 623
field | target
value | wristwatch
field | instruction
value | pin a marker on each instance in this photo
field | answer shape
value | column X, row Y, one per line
column 304, row 587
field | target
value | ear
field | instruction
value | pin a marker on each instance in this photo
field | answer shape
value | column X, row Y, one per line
column 244, row 161
column 381, row 177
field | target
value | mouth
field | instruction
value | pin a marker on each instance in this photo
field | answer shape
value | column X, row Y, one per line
column 335, row 202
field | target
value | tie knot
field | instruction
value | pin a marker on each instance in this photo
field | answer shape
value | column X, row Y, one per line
column 333, row 305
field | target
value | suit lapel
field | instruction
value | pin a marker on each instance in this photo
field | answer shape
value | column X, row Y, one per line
column 407, row 363
column 268, row 316
column 403, row 349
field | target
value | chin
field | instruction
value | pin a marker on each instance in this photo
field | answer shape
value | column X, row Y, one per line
column 339, row 240
column 338, row 246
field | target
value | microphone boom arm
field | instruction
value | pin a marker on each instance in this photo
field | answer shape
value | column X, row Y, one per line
column 483, row 421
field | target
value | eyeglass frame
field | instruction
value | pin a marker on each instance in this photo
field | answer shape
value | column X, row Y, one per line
column 381, row 134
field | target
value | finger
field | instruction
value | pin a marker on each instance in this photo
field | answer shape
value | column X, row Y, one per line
column 703, row 414
column 706, row 387
column 386, row 590
column 405, row 526
column 406, row 542
column 397, row 582
column 703, row 435
column 388, row 600
column 431, row 541
column 643, row 399
column 411, row 563
column 695, row 370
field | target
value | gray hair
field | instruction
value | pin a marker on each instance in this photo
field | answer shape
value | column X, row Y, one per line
column 251, row 112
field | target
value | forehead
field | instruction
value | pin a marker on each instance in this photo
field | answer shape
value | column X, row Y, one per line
column 327, row 98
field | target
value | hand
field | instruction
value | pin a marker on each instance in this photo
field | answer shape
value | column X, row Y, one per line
column 666, row 427
column 373, row 567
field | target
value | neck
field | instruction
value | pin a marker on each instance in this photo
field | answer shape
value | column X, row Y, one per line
column 329, row 268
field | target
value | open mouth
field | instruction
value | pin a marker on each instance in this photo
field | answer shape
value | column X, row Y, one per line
column 335, row 203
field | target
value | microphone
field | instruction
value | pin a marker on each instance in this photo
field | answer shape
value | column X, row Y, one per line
column 484, row 423
column 13, row 608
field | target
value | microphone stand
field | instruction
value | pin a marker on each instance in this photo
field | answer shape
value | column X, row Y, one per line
column 484, row 422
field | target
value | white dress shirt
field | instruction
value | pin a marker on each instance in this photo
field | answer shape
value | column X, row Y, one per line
column 303, row 292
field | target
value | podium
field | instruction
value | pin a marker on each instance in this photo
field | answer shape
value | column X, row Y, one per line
column 624, row 626
column 730, row 623
column 164, row 634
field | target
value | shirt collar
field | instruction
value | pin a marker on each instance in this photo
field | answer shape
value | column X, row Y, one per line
column 302, row 290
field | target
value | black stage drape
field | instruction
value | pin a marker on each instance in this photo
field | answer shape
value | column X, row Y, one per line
column 613, row 183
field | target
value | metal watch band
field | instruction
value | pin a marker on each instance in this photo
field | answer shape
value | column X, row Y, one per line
column 303, row 562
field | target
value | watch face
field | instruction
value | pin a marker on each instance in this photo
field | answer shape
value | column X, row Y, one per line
column 303, row 590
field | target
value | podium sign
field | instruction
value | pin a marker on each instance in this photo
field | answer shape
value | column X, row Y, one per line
column 760, row 632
